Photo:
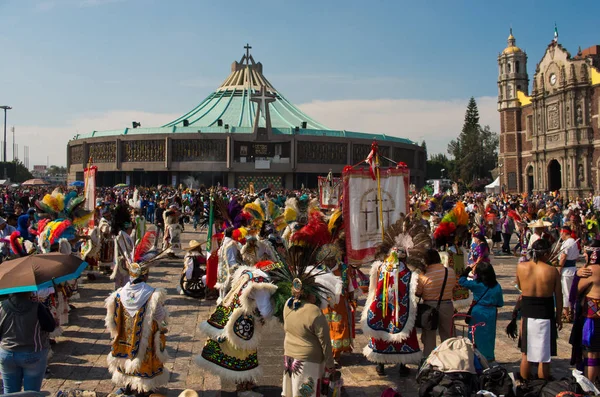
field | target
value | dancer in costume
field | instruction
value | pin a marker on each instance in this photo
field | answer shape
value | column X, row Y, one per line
column 124, row 245
column 173, row 229
column 229, row 260
column 106, row 257
column 341, row 316
column 308, row 356
column 234, row 329
column 389, row 314
column 136, row 318
column 256, row 249
column 59, row 217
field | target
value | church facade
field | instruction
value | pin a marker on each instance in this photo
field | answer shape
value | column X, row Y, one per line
column 549, row 136
column 245, row 132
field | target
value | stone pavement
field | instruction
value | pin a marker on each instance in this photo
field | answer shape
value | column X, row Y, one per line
column 79, row 359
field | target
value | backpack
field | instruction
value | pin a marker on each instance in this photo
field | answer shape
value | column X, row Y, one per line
column 531, row 388
column 497, row 381
column 556, row 386
column 454, row 384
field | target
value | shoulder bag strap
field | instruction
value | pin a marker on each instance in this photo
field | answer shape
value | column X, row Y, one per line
column 480, row 298
column 443, row 288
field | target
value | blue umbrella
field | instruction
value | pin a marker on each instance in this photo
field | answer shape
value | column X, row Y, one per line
column 77, row 184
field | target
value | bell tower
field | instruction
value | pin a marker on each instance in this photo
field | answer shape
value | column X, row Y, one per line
column 512, row 75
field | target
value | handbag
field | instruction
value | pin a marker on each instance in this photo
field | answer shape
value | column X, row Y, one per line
column 429, row 317
column 468, row 319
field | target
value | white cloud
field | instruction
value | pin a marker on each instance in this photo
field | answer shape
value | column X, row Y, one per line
column 435, row 121
column 44, row 141
column 47, row 5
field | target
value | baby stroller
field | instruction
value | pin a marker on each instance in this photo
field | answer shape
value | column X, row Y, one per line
column 195, row 286
column 453, row 366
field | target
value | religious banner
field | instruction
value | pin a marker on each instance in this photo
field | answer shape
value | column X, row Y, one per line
column 330, row 189
column 437, row 186
column 89, row 190
column 366, row 211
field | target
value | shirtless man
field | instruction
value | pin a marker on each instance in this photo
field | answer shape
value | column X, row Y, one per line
column 540, row 288
column 588, row 289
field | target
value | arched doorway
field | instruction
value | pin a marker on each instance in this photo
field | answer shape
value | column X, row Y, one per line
column 529, row 174
column 554, row 176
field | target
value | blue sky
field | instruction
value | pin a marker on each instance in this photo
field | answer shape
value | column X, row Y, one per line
column 400, row 67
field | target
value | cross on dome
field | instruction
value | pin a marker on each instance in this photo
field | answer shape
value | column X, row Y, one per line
column 247, row 47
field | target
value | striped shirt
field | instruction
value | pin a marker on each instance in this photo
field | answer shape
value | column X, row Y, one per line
column 430, row 283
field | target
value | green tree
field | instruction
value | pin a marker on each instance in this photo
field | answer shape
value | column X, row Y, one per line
column 476, row 149
column 437, row 163
column 21, row 172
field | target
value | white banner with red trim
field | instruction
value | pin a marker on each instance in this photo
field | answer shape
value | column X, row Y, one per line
column 366, row 212
column 330, row 191
column 89, row 190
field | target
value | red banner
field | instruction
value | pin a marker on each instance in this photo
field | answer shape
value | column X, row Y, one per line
column 366, row 212
column 330, row 191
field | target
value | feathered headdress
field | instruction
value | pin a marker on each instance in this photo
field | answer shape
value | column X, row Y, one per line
column 314, row 233
column 144, row 253
column 454, row 223
column 64, row 206
column 120, row 219
column 301, row 276
column 19, row 246
column 335, row 224
column 256, row 213
column 409, row 236
column 229, row 212
column 53, row 232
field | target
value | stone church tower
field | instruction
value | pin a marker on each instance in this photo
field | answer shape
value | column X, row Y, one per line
column 512, row 79
column 549, row 136
column 512, row 75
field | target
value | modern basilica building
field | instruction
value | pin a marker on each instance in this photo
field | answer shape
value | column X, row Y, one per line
column 549, row 138
column 244, row 132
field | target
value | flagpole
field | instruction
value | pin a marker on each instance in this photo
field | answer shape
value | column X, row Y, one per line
column 379, row 194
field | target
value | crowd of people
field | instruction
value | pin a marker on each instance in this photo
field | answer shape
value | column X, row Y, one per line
column 276, row 256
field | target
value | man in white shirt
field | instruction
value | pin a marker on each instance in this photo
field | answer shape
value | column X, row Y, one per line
column 567, row 266
column 538, row 227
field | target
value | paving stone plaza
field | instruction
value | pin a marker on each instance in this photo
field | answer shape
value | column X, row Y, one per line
column 79, row 360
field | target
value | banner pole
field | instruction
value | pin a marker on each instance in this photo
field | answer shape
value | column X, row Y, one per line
column 379, row 196
column 211, row 219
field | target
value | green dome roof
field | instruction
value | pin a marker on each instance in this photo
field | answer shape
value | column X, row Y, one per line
column 231, row 102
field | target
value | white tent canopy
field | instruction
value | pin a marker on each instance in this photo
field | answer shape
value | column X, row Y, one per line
column 493, row 187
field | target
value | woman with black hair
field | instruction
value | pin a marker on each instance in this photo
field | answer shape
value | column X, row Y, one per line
column 487, row 298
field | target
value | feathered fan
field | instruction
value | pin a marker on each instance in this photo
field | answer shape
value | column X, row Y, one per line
column 409, row 233
column 300, row 264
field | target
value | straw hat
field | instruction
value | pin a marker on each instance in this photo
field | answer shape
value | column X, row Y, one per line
column 193, row 244
column 188, row 393
column 539, row 223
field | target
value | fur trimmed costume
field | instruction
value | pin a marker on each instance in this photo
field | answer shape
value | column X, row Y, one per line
column 234, row 329
column 138, row 339
column 388, row 318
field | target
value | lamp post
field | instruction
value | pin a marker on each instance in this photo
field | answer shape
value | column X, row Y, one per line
column 442, row 171
column 5, row 107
